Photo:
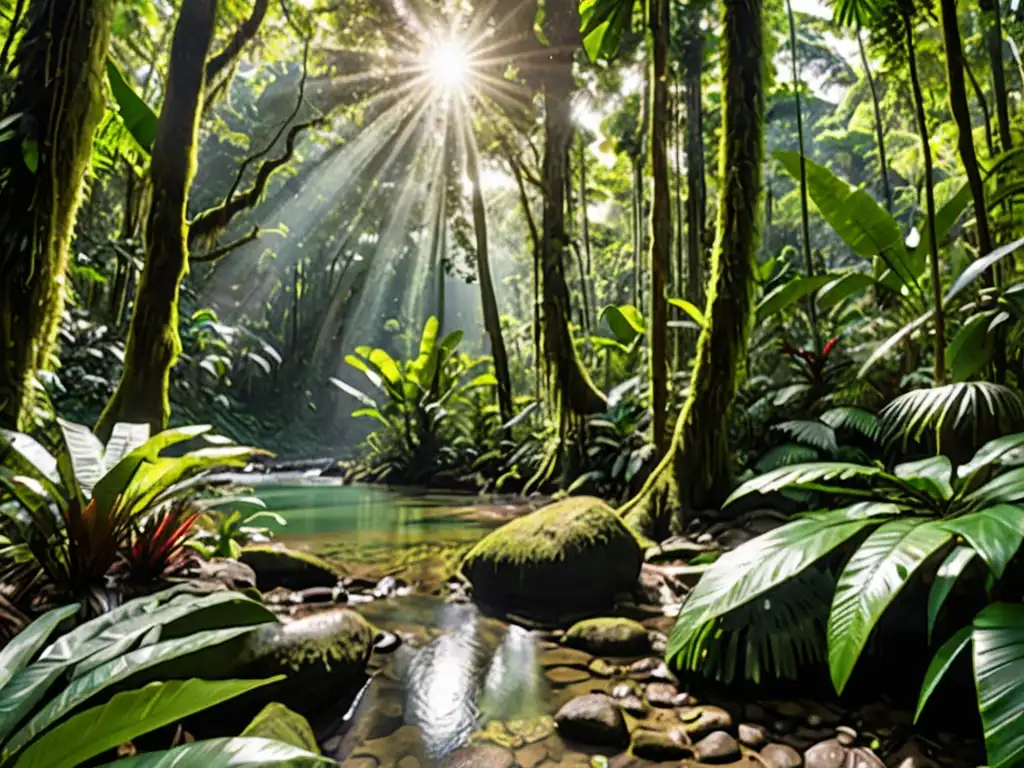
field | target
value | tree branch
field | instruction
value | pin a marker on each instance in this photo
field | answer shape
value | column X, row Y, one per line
column 224, row 250
column 243, row 35
column 19, row 9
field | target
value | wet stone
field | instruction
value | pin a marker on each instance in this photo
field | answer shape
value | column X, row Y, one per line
column 717, row 747
column 531, row 755
column 641, row 670
column 700, row 721
column 566, row 675
column 787, row 709
column 781, row 756
column 753, row 736
column 845, row 735
column 602, row 668
column 827, row 754
column 661, row 694
column 564, row 657
column 660, row 745
column 593, row 719
column 479, row 756
column 632, row 704
column 862, row 757
column 622, row 690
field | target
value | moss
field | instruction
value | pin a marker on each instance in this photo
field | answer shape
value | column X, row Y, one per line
column 278, row 722
column 575, row 552
column 280, row 567
column 609, row 637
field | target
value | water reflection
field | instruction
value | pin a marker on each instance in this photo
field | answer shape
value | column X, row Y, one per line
column 474, row 671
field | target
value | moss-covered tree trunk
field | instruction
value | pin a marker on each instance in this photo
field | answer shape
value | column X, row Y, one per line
column 488, row 301
column 56, row 103
column 695, row 208
column 153, row 344
column 696, row 474
column 572, row 388
column 661, row 223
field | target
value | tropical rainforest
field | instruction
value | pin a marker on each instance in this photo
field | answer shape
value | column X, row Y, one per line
column 511, row 383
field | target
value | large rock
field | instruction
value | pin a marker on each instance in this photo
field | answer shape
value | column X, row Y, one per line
column 593, row 719
column 608, row 637
column 576, row 553
column 479, row 756
column 279, row 567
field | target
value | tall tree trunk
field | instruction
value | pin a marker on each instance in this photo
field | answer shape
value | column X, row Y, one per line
column 56, row 104
column 661, row 223
column 929, row 192
column 142, row 395
column 571, row 386
column 585, row 221
column 696, row 474
column 962, row 115
column 979, row 94
column 695, row 207
column 489, row 302
column 805, row 216
column 879, row 125
column 994, row 44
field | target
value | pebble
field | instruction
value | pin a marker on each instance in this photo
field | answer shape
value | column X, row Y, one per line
column 566, row 675
column 753, row 736
column 479, row 756
column 781, row 756
column 717, row 747
column 632, row 704
column 700, row 721
column 661, row 694
column 622, row 690
column 602, row 668
column 827, row 754
column 845, row 735
column 862, row 757
column 660, row 745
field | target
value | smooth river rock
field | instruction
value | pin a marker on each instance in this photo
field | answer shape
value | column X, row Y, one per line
column 593, row 719
column 717, row 747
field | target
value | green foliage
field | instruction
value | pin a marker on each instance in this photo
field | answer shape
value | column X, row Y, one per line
column 69, row 519
column 69, row 700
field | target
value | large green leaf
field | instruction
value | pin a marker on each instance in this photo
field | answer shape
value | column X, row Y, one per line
column 971, row 348
column 691, row 309
column 978, row 267
column 124, row 439
column 788, row 294
column 943, row 660
column 945, row 578
column 932, row 475
column 136, row 115
column 994, row 451
column 854, row 419
column 994, row 533
column 945, row 219
column 855, row 216
column 869, row 582
column 127, row 716
column 17, row 653
column 812, row 476
column 842, row 288
column 86, row 454
column 813, row 433
column 602, row 25
column 625, row 321
column 113, row 672
column 753, row 568
column 30, row 451
column 226, row 753
column 1007, row 488
column 998, row 672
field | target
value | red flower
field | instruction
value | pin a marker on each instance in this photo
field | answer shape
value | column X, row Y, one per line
column 829, row 347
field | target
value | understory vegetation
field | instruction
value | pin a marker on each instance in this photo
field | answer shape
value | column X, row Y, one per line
column 695, row 260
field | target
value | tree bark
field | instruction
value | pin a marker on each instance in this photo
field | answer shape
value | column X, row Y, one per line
column 142, row 395
column 962, row 115
column 926, row 151
column 994, row 44
column 696, row 474
column 695, row 207
column 488, row 301
column 57, row 102
column 571, row 385
column 661, row 224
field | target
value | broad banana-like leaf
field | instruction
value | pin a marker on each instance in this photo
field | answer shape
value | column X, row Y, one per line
column 19, row 652
column 226, row 753
column 689, row 308
column 874, row 575
column 943, row 660
column 945, row 219
column 843, row 288
column 788, row 294
column 124, row 439
column 998, row 672
column 753, row 568
column 994, row 533
column 30, row 451
column 127, row 716
column 978, row 268
column 625, row 321
column 602, row 25
column 85, row 452
column 136, row 115
column 932, row 475
column 994, row 451
column 945, row 578
column 813, row 476
column 971, row 348
column 1007, row 488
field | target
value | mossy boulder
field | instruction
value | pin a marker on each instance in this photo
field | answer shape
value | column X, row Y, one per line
column 608, row 637
column 575, row 553
column 279, row 567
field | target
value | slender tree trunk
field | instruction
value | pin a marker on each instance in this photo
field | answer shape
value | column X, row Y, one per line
column 585, row 221
column 962, row 115
column 489, row 302
column 696, row 474
column 805, row 216
column 879, row 125
column 926, row 151
column 142, row 396
column 979, row 94
column 574, row 392
column 994, row 44
column 58, row 96
column 695, row 208
column 661, row 224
